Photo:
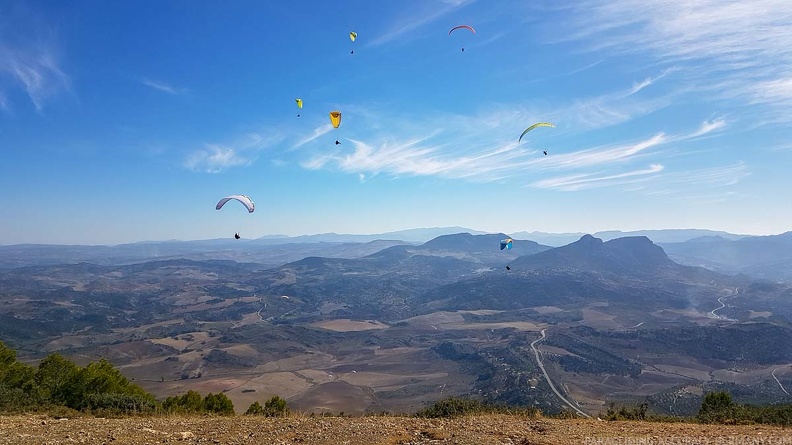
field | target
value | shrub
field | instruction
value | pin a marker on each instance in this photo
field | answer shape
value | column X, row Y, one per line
column 276, row 407
column 452, row 407
column 218, row 404
column 255, row 409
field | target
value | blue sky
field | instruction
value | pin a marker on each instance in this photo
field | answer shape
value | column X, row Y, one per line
column 127, row 121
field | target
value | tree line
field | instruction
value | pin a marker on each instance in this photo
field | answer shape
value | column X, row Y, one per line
column 57, row 383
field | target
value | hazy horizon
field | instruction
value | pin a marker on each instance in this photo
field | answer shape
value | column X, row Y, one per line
column 341, row 234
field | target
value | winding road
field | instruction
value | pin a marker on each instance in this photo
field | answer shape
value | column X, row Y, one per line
column 547, row 377
column 777, row 381
column 723, row 305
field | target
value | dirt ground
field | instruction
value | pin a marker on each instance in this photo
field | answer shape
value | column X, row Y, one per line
column 471, row 430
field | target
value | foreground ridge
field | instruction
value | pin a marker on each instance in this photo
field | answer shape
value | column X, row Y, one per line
column 374, row 430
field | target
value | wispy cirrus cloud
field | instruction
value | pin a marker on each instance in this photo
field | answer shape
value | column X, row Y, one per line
column 317, row 133
column 215, row 158
column 617, row 107
column 721, row 176
column 162, row 86
column 585, row 181
column 29, row 57
column 35, row 69
column 430, row 12
column 603, row 155
column 441, row 154
column 707, row 127
column 648, row 81
column 730, row 48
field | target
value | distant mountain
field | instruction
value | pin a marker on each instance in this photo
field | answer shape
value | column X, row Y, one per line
column 409, row 236
column 667, row 235
column 549, row 239
column 627, row 255
column 767, row 257
column 268, row 254
column 657, row 236
column 630, row 275
column 489, row 243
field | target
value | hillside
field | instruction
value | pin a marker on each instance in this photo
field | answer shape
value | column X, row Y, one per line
column 473, row 430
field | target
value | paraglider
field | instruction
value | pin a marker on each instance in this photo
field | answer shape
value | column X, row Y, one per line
column 506, row 244
column 299, row 105
column 469, row 28
column 352, row 37
column 247, row 202
column 538, row 124
column 335, row 119
column 545, row 152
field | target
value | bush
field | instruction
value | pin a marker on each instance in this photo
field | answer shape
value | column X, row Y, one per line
column 625, row 413
column 717, row 407
column 274, row 407
column 255, row 409
column 218, row 404
column 189, row 403
column 118, row 404
column 452, row 407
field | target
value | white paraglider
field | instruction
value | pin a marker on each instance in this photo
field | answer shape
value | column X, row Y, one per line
column 246, row 201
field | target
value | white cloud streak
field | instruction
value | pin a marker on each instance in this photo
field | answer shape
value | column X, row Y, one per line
column 715, row 177
column 162, row 86
column 435, row 156
column 580, row 182
column 426, row 16
column 615, row 108
column 732, row 48
column 317, row 133
column 214, row 158
column 36, row 70
column 600, row 155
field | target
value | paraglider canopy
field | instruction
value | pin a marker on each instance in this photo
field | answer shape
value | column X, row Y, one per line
column 247, row 202
column 538, row 124
column 299, row 102
column 469, row 28
column 335, row 118
column 236, row 236
column 352, row 36
column 506, row 244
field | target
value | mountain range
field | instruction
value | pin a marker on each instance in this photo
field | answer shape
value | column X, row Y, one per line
column 365, row 327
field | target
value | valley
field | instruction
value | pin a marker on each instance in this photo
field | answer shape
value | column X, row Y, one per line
column 567, row 328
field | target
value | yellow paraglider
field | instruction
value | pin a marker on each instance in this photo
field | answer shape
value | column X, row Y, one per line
column 352, row 37
column 335, row 118
column 299, row 104
column 538, row 124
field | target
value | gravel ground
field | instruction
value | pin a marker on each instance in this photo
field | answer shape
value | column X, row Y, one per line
column 473, row 430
